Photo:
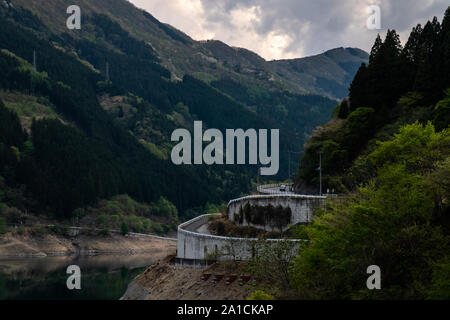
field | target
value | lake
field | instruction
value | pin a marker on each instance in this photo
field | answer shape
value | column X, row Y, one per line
column 103, row 277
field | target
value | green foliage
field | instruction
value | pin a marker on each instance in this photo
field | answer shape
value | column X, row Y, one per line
column 361, row 121
column 442, row 112
column 398, row 87
column 124, row 228
column 396, row 221
column 127, row 165
column 102, row 156
column 260, row 295
column 139, row 217
column 3, row 225
column 89, row 170
column 101, row 219
column 62, row 231
column 165, row 208
column 272, row 261
column 440, row 288
column 343, row 110
column 3, row 208
column 416, row 146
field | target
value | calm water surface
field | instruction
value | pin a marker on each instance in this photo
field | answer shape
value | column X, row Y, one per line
column 103, row 277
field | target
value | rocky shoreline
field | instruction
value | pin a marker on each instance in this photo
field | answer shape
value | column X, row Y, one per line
column 50, row 245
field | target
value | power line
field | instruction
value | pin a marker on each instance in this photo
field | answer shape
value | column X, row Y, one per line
column 107, row 72
column 34, row 61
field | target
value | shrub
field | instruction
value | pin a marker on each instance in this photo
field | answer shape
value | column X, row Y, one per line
column 115, row 219
column 38, row 230
column 124, row 228
column 260, row 295
column 3, row 208
column 101, row 219
column 104, row 232
column 3, row 226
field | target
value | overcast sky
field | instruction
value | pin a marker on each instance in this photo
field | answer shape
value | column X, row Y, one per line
column 282, row 29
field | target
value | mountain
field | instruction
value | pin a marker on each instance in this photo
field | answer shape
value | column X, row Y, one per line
column 88, row 114
column 329, row 73
column 326, row 74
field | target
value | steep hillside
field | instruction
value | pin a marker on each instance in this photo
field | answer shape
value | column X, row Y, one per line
column 329, row 73
column 211, row 60
column 73, row 136
column 88, row 114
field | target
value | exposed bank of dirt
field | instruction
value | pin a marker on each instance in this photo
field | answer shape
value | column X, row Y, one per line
column 15, row 245
column 165, row 281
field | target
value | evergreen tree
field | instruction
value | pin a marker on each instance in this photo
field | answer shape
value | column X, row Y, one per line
column 411, row 51
column 443, row 77
column 384, row 70
column 358, row 89
column 427, row 53
column 344, row 109
column 376, row 47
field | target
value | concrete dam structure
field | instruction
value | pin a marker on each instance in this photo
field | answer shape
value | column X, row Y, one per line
column 196, row 246
column 302, row 206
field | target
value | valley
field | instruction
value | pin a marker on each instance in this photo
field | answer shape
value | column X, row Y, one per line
column 123, row 99
column 112, row 136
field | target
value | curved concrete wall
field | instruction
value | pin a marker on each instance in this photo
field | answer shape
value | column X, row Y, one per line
column 302, row 206
column 193, row 245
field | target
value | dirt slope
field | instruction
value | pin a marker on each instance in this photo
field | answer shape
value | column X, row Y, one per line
column 164, row 281
column 49, row 244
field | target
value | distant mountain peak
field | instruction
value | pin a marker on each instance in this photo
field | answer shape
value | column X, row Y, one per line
column 328, row 74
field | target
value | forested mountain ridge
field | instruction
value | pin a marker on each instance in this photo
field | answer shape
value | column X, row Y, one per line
column 88, row 134
column 329, row 73
column 211, row 60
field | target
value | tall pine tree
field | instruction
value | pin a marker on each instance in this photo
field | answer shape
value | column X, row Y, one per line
column 427, row 53
column 376, row 47
column 358, row 91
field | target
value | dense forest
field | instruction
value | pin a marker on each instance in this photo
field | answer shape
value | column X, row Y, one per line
column 399, row 86
column 387, row 151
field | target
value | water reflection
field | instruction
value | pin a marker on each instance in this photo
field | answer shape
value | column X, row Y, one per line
column 103, row 277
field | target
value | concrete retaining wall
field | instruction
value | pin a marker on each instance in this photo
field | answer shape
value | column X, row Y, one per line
column 198, row 246
column 302, row 206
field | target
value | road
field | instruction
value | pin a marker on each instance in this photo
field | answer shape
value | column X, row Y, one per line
column 274, row 189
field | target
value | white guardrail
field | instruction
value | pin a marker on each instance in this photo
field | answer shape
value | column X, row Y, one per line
column 275, row 188
column 203, row 219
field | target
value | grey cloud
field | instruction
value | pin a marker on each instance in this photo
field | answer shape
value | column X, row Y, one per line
column 331, row 23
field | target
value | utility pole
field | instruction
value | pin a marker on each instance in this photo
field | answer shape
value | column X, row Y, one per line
column 107, row 72
column 289, row 170
column 320, row 172
column 257, row 179
column 34, row 60
column 31, row 76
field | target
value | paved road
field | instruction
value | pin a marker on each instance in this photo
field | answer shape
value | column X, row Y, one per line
column 203, row 229
column 276, row 190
